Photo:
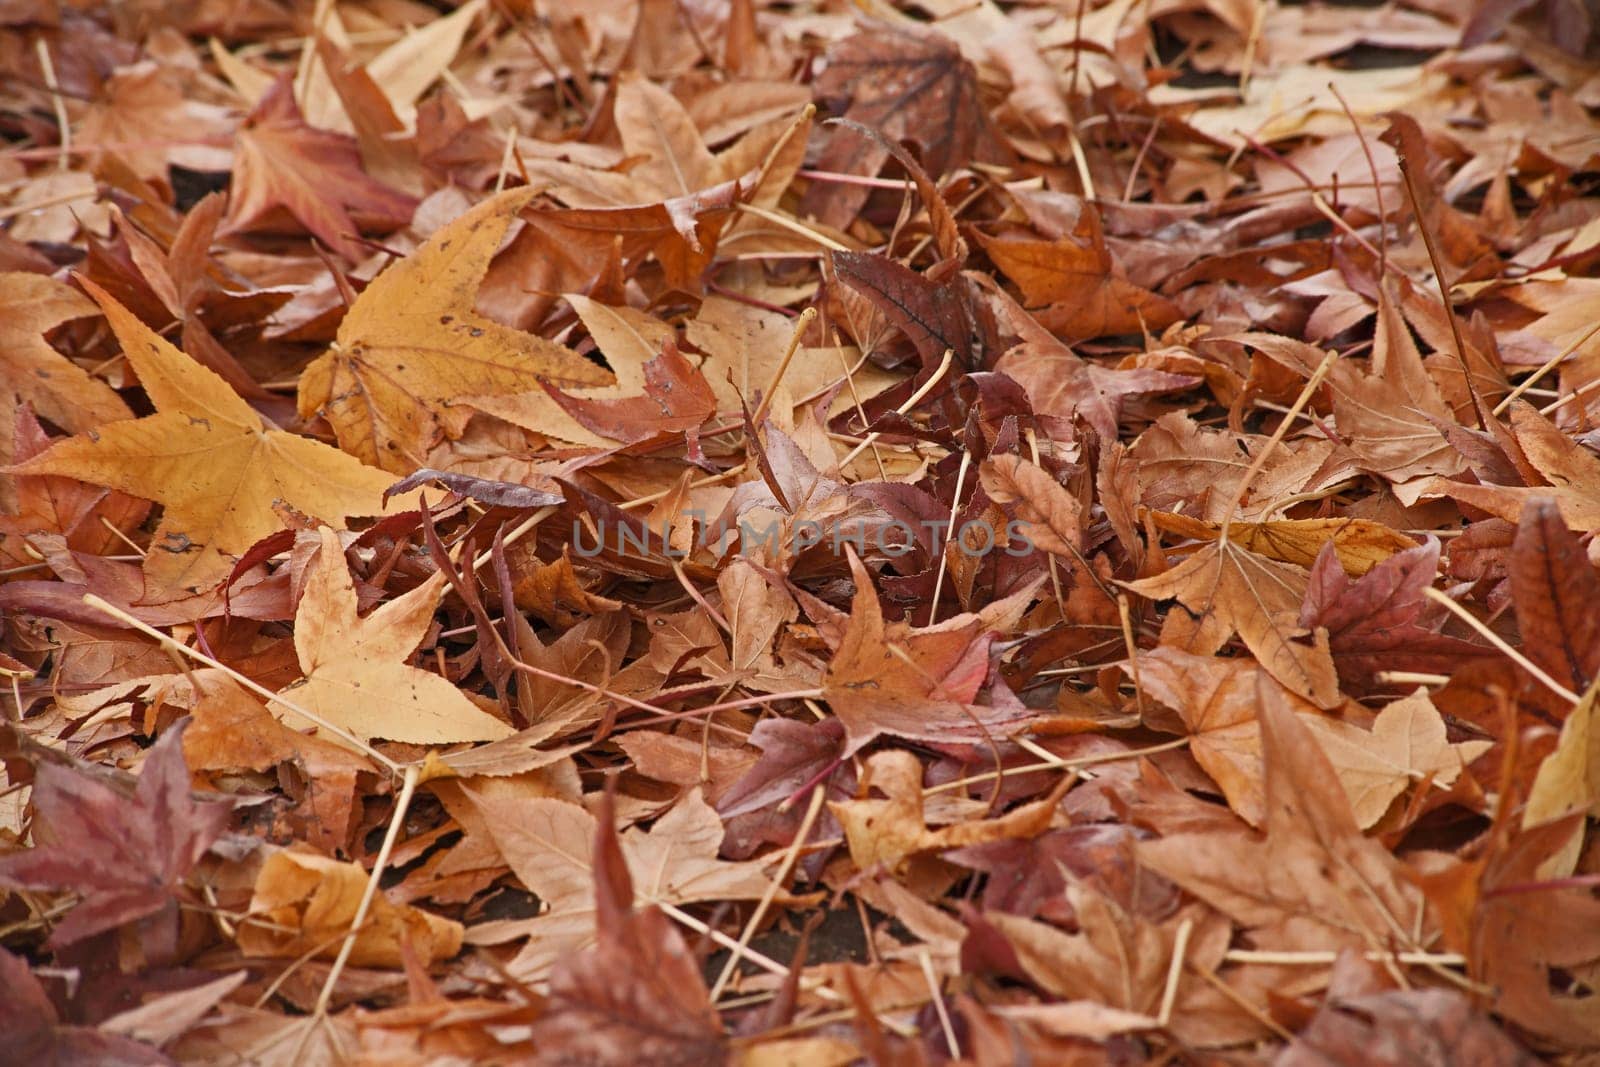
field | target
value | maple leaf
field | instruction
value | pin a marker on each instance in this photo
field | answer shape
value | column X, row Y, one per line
column 1235, row 590
column 231, row 730
column 214, row 465
column 149, row 118
column 889, row 678
column 934, row 315
column 909, row 84
column 1572, row 471
column 303, row 904
column 1399, row 1027
column 262, row 1038
column 412, row 342
column 355, row 670
column 1220, row 703
column 677, row 399
column 551, row 846
column 1407, row 743
column 1376, row 622
column 1053, row 516
column 1079, row 290
column 1359, row 544
column 1121, row 960
column 1519, row 943
column 1313, row 881
column 638, row 993
column 1061, row 387
column 124, row 856
column 892, row 830
column 1029, row 877
column 794, row 757
column 313, row 174
column 57, row 388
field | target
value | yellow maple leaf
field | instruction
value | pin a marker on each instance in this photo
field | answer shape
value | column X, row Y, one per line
column 411, row 343
column 209, row 460
column 355, row 670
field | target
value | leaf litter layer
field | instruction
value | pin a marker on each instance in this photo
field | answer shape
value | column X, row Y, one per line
column 746, row 533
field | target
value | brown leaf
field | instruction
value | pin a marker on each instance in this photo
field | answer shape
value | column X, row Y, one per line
column 1053, row 516
column 676, row 399
column 888, row 678
column 89, row 517
column 1359, row 544
column 313, row 174
column 60, row 390
column 909, row 84
column 1378, row 622
column 1313, row 881
column 935, row 316
column 1259, row 599
column 638, row 993
column 1401, row 1027
column 305, row 903
column 1080, row 291
column 1555, row 590
column 124, row 855
column 412, row 342
column 889, row 832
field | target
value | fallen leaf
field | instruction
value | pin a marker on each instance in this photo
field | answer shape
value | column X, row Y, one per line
column 1258, row 598
column 315, row 175
column 210, row 461
column 1313, row 880
column 1568, row 781
column 58, row 389
column 355, row 671
column 412, row 342
column 638, row 992
column 304, row 904
column 125, row 856
column 1360, row 544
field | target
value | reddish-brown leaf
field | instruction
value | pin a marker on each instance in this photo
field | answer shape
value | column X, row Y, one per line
column 123, row 854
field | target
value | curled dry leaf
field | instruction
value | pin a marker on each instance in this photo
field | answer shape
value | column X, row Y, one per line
column 304, row 904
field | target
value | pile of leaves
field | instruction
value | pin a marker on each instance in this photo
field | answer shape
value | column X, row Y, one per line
column 672, row 531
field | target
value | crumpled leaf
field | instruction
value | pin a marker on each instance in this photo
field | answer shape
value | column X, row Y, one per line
column 304, row 904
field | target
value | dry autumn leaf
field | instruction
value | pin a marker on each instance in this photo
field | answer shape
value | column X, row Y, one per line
column 355, row 671
column 215, row 467
column 304, row 903
column 411, row 343
column 1235, row 590
column 1359, row 543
